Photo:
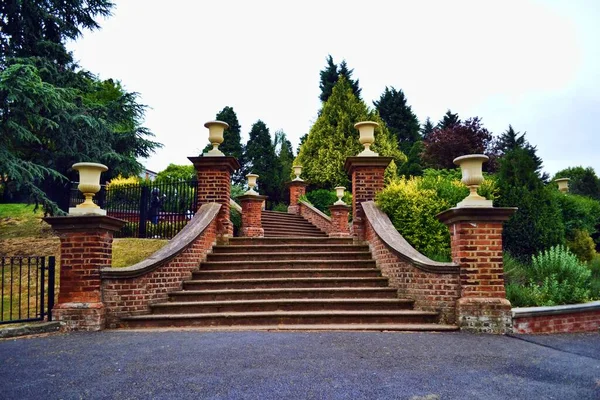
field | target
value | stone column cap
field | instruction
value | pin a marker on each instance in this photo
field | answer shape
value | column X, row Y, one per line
column 85, row 223
column 476, row 214
column 361, row 162
column 230, row 162
column 340, row 207
column 251, row 197
column 297, row 183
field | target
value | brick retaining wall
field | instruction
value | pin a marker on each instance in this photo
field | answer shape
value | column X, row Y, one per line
column 315, row 216
column 558, row 319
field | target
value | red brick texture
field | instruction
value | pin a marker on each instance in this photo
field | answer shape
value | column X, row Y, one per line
column 85, row 248
column 252, row 216
column 367, row 180
column 129, row 296
column 430, row 291
column 214, row 186
column 315, row 217
column 563, row 322
column 297, row 189
column 339, row 221
column 476, row 242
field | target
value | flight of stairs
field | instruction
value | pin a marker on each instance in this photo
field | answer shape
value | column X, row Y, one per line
column 298, row 282
column 279, row 224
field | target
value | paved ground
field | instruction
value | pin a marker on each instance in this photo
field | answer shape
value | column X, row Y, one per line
column 265, row 365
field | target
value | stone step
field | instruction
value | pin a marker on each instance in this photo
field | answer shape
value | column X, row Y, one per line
column 276, row 235
column 241, row 241
column 284, row 283
column 287, row 227
column 286, row 273
column 276, row 248
column 282, row 318
column 200, row 307
column 286, row 293
column 285, row 264
column 275, row 256
column 317, row 328
column 294, row 231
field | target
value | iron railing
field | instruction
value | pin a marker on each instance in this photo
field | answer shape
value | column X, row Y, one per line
column 27, row 289
column 151, row 209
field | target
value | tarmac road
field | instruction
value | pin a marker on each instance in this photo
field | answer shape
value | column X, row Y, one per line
column 299, row 365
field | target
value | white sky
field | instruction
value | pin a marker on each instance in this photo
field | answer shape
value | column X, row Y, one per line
column 532, row 64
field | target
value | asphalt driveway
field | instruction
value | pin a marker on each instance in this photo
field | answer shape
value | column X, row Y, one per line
column 294, row 365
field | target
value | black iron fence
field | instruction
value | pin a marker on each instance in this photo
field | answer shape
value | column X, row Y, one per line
column 27, row 289
column 151, row 209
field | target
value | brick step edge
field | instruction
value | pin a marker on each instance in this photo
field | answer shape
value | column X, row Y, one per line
column 316, row 328
column 283, row 314
column 278, row 301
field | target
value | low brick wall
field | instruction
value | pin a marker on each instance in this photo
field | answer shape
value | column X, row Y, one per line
column 130, row 291
column 558, row 319
column 315, row 216
column 434, row 286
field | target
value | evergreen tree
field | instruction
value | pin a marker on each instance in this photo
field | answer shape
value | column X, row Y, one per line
column 427, row 128
column 232, row 141
column 413, row 165
column 448, row 120
column 584, row 181
column 285, row 154
column 399, row 118
column 537, row 224
column 261, row 159
column 510, row 140
column 333, row 138
column 331, row 74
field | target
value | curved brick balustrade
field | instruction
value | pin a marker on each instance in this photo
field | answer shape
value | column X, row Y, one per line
column 434, row 286
column 315, row 216
column 131, row 290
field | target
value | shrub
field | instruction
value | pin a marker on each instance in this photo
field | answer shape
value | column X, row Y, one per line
column 579, row 213
column 520, row 296
column 322, row 199
column 558, row 277
column 236, row 220
column 582, row 246
column 280, row 207
column 594, row 267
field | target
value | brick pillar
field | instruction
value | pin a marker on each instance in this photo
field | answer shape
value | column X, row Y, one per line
column 476, row 241
column 367, row 180
column 339, row 220
column 85, row 248
column 214, row 186
column 297, row 189
column 252, row 215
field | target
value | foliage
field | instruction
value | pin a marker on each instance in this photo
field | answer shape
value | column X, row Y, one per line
column 510, row 140
column 236, row 220
column 413, row 165
column 281, row 207
column 176, row 173
column 427, row 128
column 285, row 155
column 537, row 224
column 446, row 143
column 399, row 118
column 594, row 266
column 413, row 203
column 330, row 76
column 333, row 138
column 236, row 191
column 322, row 199
column 579, row 213
column 449, row 120
column 21, row 220
column 261, row 160
column 55, row 114
column 582, row 245
column 584, row 181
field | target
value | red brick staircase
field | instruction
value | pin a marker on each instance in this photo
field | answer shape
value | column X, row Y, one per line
column 295, row 278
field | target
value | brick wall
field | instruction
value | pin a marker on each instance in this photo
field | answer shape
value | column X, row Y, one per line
column 560, row 319
column 431, row 291
column 315, row 217
column 252, row 216
column 132, row 295
column 297, row 189
column 339, row 221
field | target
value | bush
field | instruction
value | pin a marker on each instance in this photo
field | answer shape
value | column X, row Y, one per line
column 280, row 207
column 322, row 199
column 236, row 220
column 594, row 267
column 579, row 213
column 412, row 205
column 582, row 246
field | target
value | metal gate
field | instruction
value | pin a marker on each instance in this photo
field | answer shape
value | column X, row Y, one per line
column 27, row 289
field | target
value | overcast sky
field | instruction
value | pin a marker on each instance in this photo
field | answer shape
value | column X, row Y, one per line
column 532, row 64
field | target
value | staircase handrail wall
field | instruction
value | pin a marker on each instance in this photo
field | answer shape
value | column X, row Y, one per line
column 434, row 286
column 315, row 216
column 233, row 204
column 131, row 290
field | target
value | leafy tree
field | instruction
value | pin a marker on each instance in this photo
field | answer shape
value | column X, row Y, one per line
column 427, row 128
column 331, row 74
column 261, row 160
column 55, row 114
column 399, row 118
column 333, row 138
column 448, row 120
column 584, row 181
column 537, row 224
column 444, row 144
column 177, row 173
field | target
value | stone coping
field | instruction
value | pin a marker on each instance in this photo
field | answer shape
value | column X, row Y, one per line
column 72, row 223
column 386, row 231
column 476, row 214
column 231, row 163
column 315, row 210
column 522, row 312
column 233, row 204
column 179, row 243
column 366, row 161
